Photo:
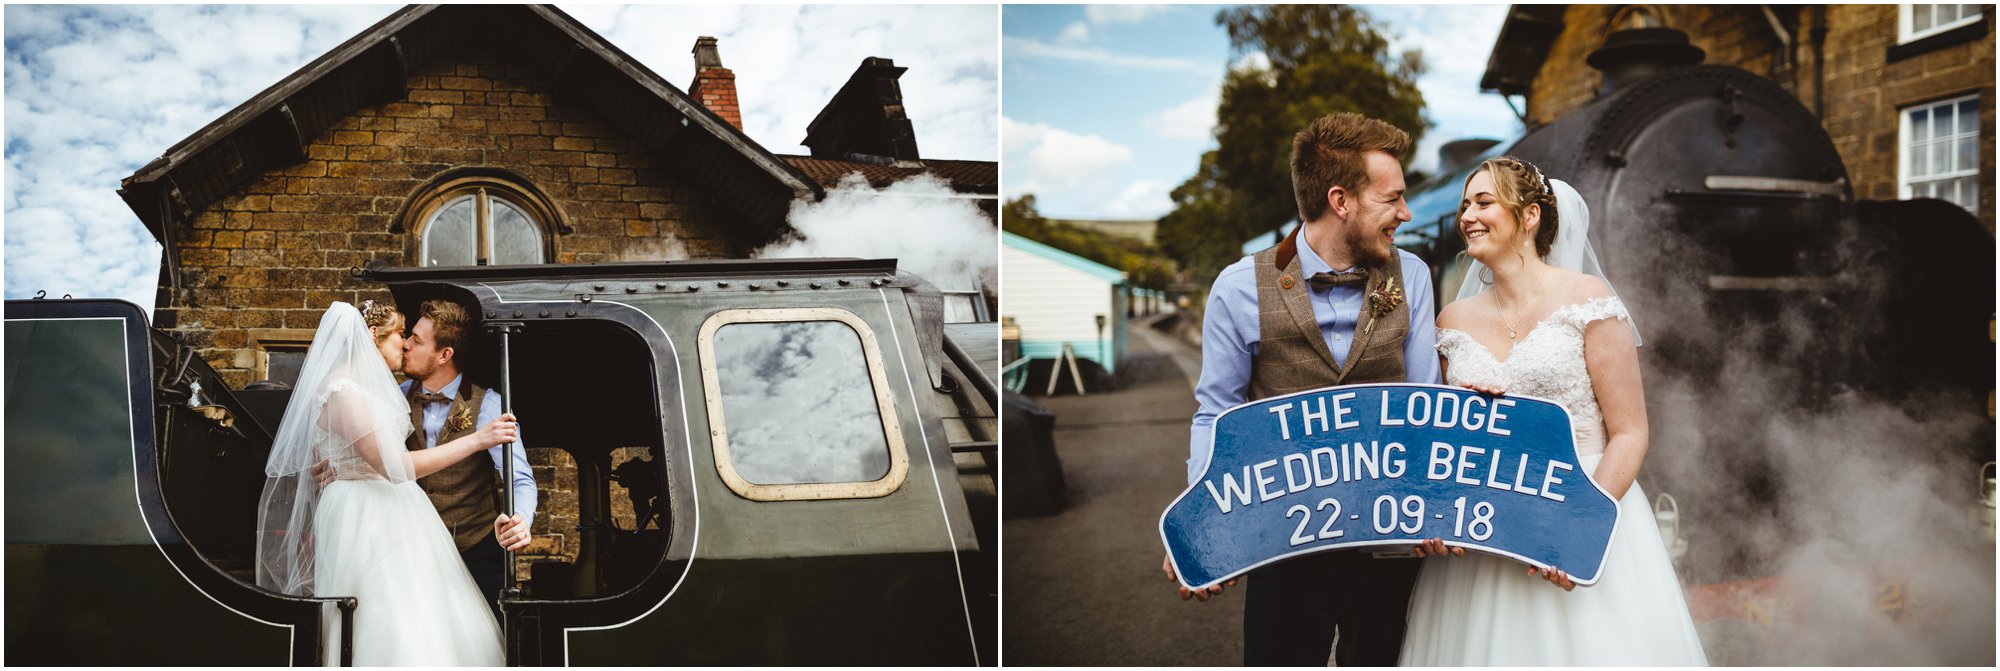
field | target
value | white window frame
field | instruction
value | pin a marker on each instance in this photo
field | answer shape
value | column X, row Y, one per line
column 266, row 341
column 718, row 431
column 482, row 187
column 484, row 248
column 1904, row 185
column 1906, row 17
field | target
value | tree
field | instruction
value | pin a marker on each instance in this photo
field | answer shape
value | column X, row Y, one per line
column 1205, row 231
column 1322, row 59
column 1142, row 263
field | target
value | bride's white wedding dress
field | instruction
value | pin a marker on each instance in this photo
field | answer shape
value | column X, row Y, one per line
column 383, row 543
column 371, row 533
column 1485, row 610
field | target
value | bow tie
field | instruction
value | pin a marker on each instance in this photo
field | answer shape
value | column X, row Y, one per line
column 429, row 398
column 1324, row 281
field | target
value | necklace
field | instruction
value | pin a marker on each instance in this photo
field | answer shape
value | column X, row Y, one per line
column 1512, row 334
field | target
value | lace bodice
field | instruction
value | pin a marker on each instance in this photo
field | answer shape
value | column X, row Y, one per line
column 1546, row 363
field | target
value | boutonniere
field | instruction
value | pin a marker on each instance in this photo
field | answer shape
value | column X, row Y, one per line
column 1381, row 301
column 1384, row 298
column 459, row 421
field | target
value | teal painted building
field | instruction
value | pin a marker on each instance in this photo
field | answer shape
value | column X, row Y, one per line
column 1055, row 297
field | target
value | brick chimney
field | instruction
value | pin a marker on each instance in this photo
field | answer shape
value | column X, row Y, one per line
column 714, row 85
column 865, row 119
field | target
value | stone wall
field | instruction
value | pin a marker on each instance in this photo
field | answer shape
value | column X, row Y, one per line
column 1865, row 93
column 266, row 262
column 262, row 265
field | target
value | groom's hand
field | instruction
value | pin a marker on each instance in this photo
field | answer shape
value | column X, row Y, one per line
column 511, row 531
column 322, row 474
column 1435, row 547
column 1167, row 565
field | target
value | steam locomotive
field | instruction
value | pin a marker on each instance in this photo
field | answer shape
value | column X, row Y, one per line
column 1723, row 214
column 133, row 474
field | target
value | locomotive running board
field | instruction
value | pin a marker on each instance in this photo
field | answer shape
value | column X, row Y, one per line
column 1787, row 283
column 1774, row 184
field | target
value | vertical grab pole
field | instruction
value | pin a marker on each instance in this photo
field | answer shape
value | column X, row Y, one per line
column 508, row 589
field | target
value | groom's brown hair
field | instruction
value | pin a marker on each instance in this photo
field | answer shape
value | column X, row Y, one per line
column 448, row 324
column 1333, row 151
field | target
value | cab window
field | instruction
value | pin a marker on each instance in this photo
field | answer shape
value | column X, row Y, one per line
column 798, row 405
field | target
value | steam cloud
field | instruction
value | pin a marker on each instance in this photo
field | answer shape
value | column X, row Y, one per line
column 1861, row 504
column 929, row 229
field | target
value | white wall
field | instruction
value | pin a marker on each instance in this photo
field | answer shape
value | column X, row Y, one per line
column 1050, row 301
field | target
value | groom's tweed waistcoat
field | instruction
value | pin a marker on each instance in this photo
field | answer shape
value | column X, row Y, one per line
column 1292, row 356
column 464, row 493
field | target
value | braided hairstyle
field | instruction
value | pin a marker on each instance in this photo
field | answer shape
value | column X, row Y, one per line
column 1517, row 184
column 382, row 319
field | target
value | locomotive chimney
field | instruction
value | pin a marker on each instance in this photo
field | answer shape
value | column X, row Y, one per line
column 1633, row 54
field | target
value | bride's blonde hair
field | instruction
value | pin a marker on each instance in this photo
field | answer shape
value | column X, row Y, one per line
column 1517, row 184
column 382, row 319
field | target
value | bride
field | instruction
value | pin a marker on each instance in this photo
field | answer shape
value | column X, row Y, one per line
column 370, row 532
column 1529, row 322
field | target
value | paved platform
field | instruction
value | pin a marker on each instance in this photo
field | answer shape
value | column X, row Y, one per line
column 1084, row 587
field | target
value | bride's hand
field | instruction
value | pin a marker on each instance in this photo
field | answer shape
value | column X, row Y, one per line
column 1555, row 577
column 499, row 431
column 1167, row 565
column 1435, row 547
column 1488, row 390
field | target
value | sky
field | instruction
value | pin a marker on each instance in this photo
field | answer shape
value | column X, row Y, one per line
column 94, row 92
column 1108, row 107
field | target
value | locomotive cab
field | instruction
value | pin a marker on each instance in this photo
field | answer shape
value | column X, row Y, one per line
column 775, row 462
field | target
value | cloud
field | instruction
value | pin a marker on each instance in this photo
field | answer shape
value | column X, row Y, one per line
column 1074, row 33
column 1452, row 99
column 1021, row 47
column 92, row 93
column 1039, row 158
column 1143, row 199
column 790, row 60
column 1103, row 14
column 1191, row 120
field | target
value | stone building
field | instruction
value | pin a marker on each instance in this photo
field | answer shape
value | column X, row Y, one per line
column 1893, row 85
column 481, row 134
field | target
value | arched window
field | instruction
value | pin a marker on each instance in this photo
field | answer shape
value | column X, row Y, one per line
column 482, row 219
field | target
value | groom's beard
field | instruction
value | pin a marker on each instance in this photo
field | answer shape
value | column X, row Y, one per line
column 1364, row 245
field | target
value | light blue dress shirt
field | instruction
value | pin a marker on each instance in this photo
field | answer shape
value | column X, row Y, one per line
column 1230, row 334
column 489, row 410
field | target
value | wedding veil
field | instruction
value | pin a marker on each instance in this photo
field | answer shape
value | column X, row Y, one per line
column 1570, row 251
column 345, row 410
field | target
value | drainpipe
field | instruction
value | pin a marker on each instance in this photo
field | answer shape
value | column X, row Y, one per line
column 1784, row 37
column 1819, row 63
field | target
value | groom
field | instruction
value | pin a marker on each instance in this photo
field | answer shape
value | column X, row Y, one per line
column 445, row 406
column 1284, row 320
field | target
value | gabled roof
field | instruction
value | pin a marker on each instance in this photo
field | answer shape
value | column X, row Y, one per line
column 977, row 177
column 272, row 129
column 1086, row 266
column 1523, row 44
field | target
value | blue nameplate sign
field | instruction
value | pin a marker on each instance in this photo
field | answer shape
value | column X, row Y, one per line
column 1390, row 465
